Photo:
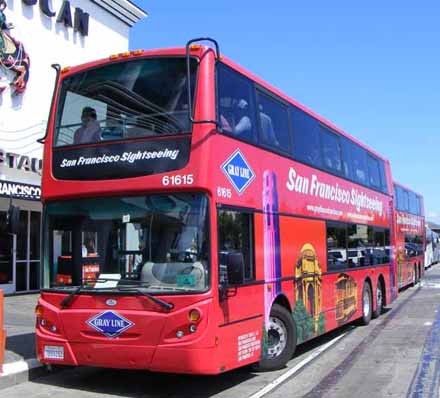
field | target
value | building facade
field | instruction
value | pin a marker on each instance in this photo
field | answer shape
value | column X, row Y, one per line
column 33, row 35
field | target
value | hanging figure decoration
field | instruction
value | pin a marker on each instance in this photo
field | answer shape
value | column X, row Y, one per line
column 13, row 57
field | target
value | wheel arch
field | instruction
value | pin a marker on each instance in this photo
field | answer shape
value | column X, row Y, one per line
column 283, row 301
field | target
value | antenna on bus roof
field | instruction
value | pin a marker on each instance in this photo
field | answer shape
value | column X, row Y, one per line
column 188, row 76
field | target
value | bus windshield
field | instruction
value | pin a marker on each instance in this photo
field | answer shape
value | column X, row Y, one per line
column 123, row 100
column 157, row 241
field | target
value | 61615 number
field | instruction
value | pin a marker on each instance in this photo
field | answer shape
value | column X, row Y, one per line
column 186, row 179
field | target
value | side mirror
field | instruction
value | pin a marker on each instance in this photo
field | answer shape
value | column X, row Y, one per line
column 13, row 219
column 231, row 268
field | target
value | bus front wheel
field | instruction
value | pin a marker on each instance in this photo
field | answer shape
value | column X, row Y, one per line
column 280, row 340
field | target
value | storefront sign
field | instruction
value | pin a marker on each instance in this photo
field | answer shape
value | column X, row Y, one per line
column 18, row 190
column 80, row 21
column 20, row 162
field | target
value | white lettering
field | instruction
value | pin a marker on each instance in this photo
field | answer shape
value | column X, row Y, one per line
column 333, row 192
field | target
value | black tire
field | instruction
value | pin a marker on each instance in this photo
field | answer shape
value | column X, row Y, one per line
column 414, row 278
column 282, row 316
column 416, row 274
column 380, row 295
column 367, row 305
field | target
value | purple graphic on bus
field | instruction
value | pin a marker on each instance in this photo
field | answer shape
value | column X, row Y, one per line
column 272, row 257
column 393, row 253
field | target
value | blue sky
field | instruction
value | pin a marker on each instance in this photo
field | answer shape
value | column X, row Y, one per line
column 373, row 69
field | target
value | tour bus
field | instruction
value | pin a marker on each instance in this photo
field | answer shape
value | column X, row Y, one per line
column 436, row 247
column 410, row 235
column 429, row 249
column 196, row 219
column 432, row 250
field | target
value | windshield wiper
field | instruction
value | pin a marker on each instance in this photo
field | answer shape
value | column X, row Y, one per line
column 68, row 300
column 162, row 303
column 168, row 306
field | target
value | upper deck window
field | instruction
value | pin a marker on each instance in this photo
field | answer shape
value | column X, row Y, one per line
column 132, row 99
column 346, row 158
column 400, row 198
column 274, row 123
column 306, row 138
column 405, row 200
column 383, row 177
column 359, row 159
column 331, row 151
column 374, row 172
column 419, row 205
column 236, row 110
column 413, row 208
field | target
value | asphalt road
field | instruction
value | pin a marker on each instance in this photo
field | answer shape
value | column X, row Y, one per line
column 397, row 355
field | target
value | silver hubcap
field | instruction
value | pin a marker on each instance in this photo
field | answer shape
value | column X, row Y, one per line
column 366, row 303
column 276, row 337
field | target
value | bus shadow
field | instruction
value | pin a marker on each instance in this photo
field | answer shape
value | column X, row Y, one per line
column 20, row 346
column 328, row 336
column 132, row 383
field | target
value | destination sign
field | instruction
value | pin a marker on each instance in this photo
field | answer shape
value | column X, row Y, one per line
column 121, row 160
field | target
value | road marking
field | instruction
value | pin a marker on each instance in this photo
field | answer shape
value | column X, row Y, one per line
column 275, row 383
column 19, row 366
column 426, row 382
column 430, row 285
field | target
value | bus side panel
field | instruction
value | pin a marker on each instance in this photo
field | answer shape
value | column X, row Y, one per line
column 303, row 255
column 240, row 331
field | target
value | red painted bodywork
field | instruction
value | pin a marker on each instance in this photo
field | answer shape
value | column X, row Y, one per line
column 408, row 224
column 152, row 343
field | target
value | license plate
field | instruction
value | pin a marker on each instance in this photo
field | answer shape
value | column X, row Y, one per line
column 53, row 352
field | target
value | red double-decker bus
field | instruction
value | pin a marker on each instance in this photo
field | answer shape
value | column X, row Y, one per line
column 410, row 239
column 196, row 219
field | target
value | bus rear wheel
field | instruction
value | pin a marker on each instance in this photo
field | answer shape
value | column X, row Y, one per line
column 281, row 340
column 367, row 304
column 379, row 300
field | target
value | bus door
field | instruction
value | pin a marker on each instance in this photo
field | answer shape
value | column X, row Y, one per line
column 241, row 298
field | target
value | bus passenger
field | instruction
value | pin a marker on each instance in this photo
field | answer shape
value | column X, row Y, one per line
column 90, row 131
column 267, row 130
column 242, row 126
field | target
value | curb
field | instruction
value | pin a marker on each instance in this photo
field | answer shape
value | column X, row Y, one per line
column 20, row 372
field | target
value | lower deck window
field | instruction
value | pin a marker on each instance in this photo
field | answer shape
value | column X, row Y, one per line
column 356, row 245
column 236, row 262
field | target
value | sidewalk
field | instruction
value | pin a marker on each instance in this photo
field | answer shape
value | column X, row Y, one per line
column 20, row 362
